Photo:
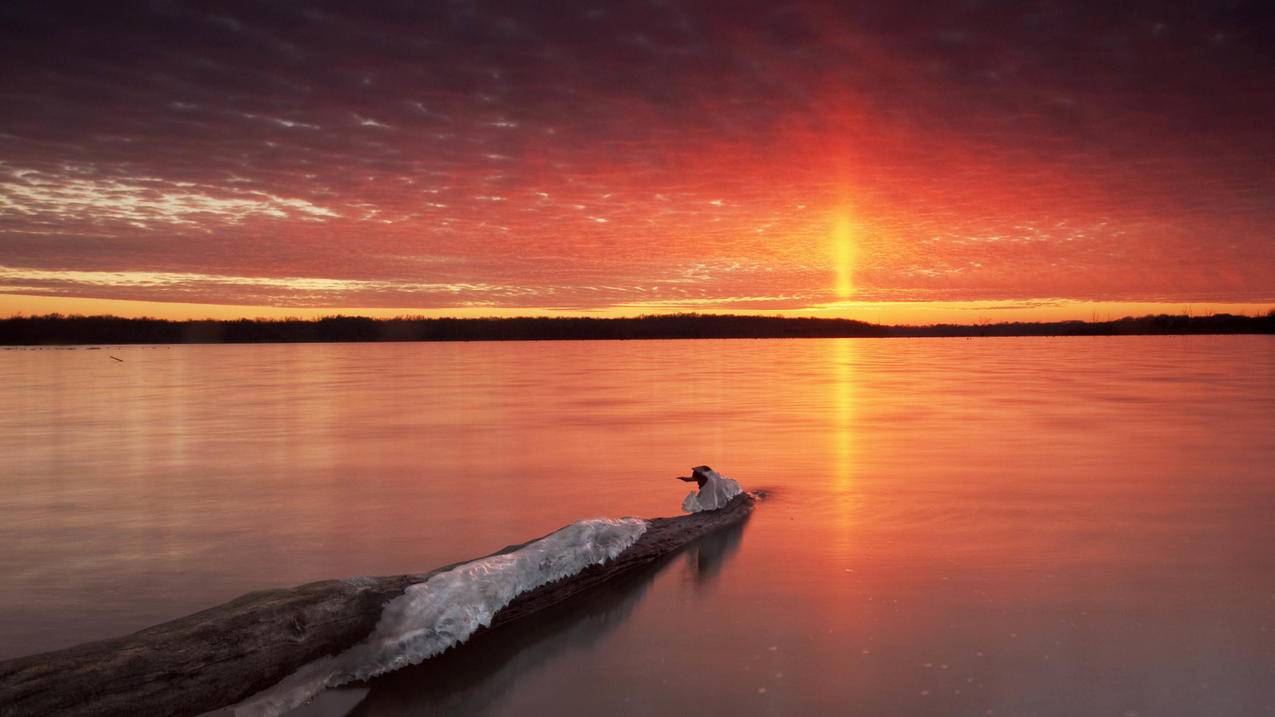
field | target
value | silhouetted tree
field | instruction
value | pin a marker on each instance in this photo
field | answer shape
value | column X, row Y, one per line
column 53, row 329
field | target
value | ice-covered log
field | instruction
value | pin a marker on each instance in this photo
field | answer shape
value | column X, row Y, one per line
column 225, row 654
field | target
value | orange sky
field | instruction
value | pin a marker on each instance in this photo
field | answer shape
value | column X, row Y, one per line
column 830, row 159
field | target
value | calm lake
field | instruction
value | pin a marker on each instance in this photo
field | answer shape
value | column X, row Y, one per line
column 1024, row 526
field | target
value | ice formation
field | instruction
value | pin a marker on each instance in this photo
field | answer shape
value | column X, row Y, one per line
column 717, row 492
column 447, row 608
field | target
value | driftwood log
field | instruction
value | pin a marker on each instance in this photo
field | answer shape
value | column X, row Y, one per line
column 220, row 656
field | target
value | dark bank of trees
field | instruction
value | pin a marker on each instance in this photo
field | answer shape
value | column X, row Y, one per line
column 1127, row 326
column 55, row 329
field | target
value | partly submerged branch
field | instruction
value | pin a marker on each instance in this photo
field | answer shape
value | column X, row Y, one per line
column 223, row 655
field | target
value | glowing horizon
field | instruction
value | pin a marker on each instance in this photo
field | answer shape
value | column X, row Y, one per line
column 795, row 159
column 890, row 313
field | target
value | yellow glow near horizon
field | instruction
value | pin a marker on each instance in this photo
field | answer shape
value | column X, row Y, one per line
column 882, row 312
column 843, row 253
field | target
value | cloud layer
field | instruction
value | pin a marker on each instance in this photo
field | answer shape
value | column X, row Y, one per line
column 648, row 154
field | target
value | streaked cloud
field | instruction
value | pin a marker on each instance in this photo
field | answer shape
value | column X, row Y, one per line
column 76, row 196
column 647, row 154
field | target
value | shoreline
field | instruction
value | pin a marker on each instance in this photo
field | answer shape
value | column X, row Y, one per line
column 57, row 330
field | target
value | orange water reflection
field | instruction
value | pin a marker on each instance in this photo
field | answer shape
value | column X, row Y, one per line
column 1050, row 526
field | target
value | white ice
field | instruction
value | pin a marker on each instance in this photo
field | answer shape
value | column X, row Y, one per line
column 447, row 608
column 717, row 492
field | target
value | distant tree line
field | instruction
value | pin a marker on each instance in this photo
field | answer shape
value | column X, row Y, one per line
column 55, row 329
column 1127, row 326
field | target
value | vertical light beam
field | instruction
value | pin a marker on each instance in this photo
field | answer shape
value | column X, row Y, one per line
column 843, row 251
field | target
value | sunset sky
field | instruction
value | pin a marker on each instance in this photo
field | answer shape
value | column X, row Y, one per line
column 888, row 161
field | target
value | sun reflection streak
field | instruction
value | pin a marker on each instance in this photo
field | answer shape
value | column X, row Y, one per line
column 844, row 448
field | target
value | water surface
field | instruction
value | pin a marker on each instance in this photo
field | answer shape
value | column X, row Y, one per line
column 1050, row 526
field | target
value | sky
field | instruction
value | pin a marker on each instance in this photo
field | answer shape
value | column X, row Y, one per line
column 900, row 161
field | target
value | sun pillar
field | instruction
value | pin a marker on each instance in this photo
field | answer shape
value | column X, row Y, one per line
column 843, row 254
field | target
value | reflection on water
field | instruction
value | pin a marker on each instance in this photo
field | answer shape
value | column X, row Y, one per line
column 706, row 556
column 1028, row 526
